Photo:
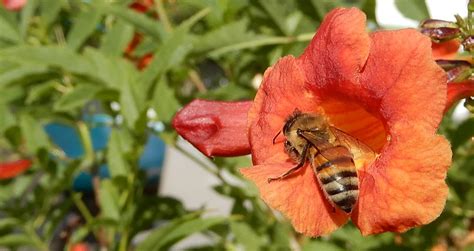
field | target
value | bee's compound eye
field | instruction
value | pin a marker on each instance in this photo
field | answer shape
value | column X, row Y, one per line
column 287, row 143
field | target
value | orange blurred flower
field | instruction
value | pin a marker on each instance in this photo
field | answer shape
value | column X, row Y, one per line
column 382, row 88
column 13, row 168
column 141, row 5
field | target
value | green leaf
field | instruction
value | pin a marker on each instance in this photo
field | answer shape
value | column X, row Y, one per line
column 27, row 13
column 122, row 76
column 33, row 133
column 116, row 39
column 368, row 6
column 413, row 9
column 462, row 133
column 79, row 234
column 109, row 200
column 14, row 240
column 39, row 91
column 351, row 235
column 225, row 35
column 164, row 237
column 22, row 72
column 171, row 53
column 258, row 41
column 11, row 94
column 173, row 50
column 164, row 101
column 56, row 56
column 6, row 223
column 321, row 246
column 130, row 105
column 142, row 22
column 50, row 10
column 107, row 68
column 278, row 11
column 120, row 143
column 76, row 98
column 229, row 92
column 245, row 235
column 322, row 7
column 9, row 33
column 6, row 118
column 83, row 26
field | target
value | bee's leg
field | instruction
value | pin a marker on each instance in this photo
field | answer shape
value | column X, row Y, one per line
column 293, row 169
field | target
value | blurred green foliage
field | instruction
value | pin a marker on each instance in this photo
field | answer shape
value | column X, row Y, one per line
column 57, row 56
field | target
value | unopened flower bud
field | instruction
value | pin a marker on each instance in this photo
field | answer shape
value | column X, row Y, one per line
column 436, row 23
column 441, row 34
column 451, row 64
column 459, row 73
column 468, row 43
column 439, row 30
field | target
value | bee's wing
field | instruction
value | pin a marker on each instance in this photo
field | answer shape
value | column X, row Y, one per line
column 362, row 153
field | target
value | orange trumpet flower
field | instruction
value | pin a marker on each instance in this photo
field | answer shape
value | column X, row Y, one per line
column 383, row 89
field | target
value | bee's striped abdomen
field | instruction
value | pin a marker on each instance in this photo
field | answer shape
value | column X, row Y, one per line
column 338, row 178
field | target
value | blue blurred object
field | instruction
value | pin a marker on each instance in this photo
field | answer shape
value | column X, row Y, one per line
column 67, row 138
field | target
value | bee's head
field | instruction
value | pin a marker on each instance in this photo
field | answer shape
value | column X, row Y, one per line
column 317, row 124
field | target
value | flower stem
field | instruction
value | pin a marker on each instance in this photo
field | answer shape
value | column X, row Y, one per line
column 163, row 16
column 35, row 238
column 261, row 42
column 86, row 143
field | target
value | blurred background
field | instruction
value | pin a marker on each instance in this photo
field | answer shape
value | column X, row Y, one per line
column 88, row 157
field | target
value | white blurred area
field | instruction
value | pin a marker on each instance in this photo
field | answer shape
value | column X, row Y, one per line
column 185, row 180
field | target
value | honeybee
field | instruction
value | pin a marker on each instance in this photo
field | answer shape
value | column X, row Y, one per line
column 331, row 153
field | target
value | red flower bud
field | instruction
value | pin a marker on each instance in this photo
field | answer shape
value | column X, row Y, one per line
column 441, row 34
column 451, row 64
column 215, row 128
column 436, row 23
column 439, row 30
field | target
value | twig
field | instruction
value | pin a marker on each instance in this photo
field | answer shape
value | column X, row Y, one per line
column 163, row 16
column 196, row 80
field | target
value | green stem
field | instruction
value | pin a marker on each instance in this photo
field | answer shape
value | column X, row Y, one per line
column 123, row 245
column 35, row 238
column 163, row 16
column 261, row 42
column 86, row 142
column 76, row 198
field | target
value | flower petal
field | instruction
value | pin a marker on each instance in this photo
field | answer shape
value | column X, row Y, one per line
column 458, row 91
column 298, row 197
column 402, row 79
column 282, row 91
column 339, row 49
column 215, row 128
column 11, row 169
column 353, row 119
column 405, row 187
column 445, row 50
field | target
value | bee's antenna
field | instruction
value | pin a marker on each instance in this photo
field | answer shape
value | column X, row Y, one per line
column 276, row 136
